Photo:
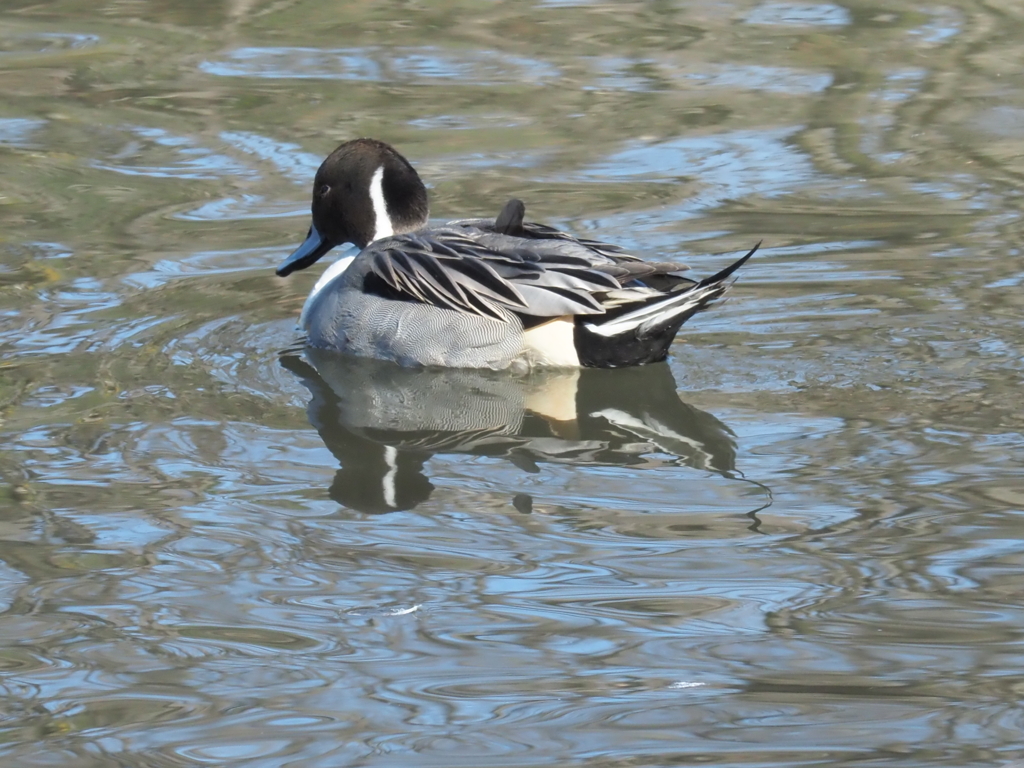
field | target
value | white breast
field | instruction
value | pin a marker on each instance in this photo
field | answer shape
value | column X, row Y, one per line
column 336, row 270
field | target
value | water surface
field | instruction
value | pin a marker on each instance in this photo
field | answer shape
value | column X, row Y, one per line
column 797, row 543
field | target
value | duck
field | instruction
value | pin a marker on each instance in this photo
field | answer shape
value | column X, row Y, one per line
column 501, row 293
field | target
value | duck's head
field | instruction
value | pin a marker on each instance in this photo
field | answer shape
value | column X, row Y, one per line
column 362, row 192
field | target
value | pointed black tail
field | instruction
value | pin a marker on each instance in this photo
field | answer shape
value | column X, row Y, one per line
column 727, row 272
column 644, row 334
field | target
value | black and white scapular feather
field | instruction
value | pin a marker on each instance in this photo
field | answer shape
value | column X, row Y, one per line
column 477, row 293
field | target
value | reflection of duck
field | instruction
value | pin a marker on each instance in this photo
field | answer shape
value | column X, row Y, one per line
column 382, row 422
column 480, row 293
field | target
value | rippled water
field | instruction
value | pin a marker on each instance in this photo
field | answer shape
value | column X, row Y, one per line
column 797, row 543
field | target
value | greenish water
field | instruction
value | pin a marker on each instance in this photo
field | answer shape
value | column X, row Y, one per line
column 799, row 543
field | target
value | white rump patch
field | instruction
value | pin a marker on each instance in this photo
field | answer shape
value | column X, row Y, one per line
column 337, row 269
column 382, row 222
column 552, row 343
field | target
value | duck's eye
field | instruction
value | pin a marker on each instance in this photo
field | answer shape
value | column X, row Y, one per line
column 324, row 190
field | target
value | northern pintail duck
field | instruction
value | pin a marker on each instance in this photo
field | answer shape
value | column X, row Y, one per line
column 477, row 293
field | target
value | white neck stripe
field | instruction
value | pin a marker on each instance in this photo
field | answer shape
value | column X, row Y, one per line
column 337, row 269
column 382, row 222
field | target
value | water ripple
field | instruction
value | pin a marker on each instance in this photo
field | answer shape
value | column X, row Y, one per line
column 16, row 132
column 474, row 67
column 796, row 544
column 290, row 160
column 728, row 166
column 171, row 156
column 45, row 42
column 799, row 14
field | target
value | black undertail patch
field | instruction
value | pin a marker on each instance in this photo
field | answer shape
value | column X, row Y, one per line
column 625, row 349
column 647, row 342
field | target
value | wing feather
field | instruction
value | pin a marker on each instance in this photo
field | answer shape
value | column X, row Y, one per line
column 493, row 269
column 554, row 302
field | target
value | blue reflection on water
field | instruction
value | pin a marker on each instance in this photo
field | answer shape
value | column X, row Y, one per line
column 191, row 161
column 758, row 78
column 469, row 122
column 729, row 165
column 476, row 67
column 289, row 158
column 799, row 14
column 243, row 207
column 15, row 131
column 45, row 42
column 650, row 75
column 945, row 23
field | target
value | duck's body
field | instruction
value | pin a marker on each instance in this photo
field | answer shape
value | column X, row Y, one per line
column 477, row 293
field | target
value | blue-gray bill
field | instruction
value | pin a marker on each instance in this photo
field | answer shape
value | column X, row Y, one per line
column 312, row 248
